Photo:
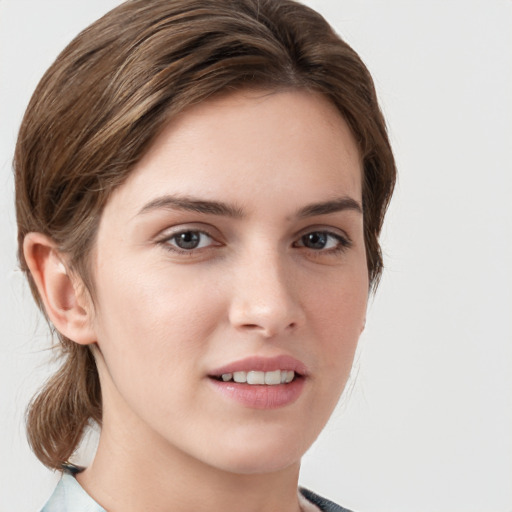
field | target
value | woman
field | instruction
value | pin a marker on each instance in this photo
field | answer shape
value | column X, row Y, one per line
column 200, row 186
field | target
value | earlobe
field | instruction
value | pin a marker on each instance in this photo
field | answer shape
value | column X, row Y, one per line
column 65, row 302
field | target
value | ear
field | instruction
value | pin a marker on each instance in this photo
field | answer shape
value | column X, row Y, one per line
column 64, row 297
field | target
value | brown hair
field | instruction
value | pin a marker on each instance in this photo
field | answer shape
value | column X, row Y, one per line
column 108, row 95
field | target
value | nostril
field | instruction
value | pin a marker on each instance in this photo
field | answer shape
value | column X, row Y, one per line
column 268, row 331
column 251, row 327
column 267, row 318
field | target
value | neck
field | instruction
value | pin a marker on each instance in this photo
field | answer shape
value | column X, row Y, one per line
column 127, row 476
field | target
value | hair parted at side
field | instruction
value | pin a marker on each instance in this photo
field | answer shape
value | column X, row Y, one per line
column 108, row 95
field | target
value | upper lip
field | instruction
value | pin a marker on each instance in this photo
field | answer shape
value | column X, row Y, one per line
column 262, row 364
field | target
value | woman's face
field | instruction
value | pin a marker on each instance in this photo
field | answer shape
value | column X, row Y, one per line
column 235, row 250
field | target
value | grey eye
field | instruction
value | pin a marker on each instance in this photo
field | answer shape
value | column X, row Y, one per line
column 319, row 240
column 322, row 241
column 189, row 240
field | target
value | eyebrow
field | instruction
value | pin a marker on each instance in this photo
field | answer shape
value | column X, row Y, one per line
column 192, row 204
column 333, row 206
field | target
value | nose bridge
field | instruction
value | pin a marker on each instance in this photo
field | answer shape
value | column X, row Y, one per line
column 264, row 293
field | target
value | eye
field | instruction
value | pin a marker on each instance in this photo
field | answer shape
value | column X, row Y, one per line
column 323, row 241
column 189, row 240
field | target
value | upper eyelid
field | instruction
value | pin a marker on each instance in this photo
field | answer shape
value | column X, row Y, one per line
column 171, row 231
column 331, row 230
column 166, row 241
column 167, row 238
column 343, row 241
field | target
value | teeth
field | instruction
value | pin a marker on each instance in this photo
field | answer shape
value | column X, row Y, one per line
column 240, row 376
column 273, row 378
column 255, row 377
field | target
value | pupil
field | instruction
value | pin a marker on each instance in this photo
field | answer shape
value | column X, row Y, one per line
column 187, row 240
column 315, row 240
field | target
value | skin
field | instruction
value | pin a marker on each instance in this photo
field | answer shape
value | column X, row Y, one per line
column 164, row 318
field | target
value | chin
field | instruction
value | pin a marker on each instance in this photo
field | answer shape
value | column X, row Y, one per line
column 273, row 463
column 260, row 453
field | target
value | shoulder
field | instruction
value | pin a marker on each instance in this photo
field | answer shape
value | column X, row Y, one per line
column 69, row 495
column 323, row 504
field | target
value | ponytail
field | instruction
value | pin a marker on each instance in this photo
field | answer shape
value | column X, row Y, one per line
column 59, row 413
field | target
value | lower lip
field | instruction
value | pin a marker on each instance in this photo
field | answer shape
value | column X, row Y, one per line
column 261, row 396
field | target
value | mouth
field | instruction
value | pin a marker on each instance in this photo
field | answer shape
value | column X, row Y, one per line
column 261, row 383
column 258, row 378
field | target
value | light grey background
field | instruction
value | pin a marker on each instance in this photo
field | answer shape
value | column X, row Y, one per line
column 427, row 425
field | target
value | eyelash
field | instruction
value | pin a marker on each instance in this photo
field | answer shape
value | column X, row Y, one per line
column 167, row 242
column 342, row 242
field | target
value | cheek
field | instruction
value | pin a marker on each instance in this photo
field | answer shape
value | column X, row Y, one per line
column 151, row 332
column 338, row 313
column 155, row 317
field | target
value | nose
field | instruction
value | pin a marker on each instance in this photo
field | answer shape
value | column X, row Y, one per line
column 266, row 297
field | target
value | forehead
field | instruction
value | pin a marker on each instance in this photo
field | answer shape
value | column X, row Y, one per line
column 246, row 143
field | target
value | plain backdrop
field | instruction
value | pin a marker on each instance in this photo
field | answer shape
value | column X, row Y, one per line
column 427, row 424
